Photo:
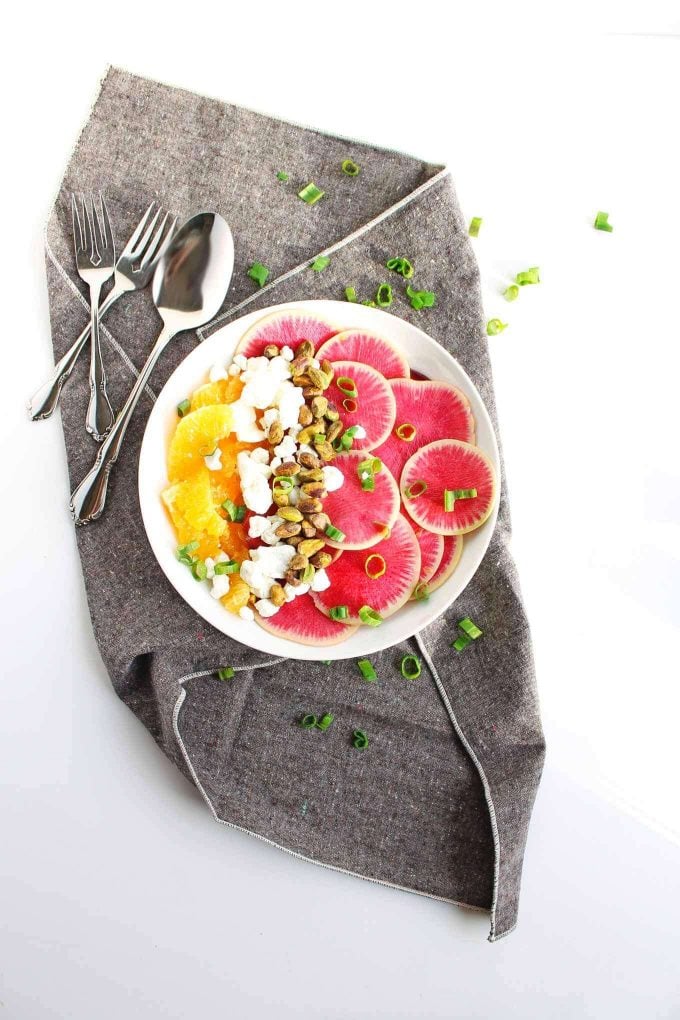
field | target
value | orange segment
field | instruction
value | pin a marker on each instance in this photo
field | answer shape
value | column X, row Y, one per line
column 237, row 596
column 224, row 391
column 192, row 511
column 197, row 435
column 233, row 542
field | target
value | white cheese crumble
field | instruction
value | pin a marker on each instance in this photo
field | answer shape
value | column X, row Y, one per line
column 214, row 461
column 270, row 416
column 240, row 361
column 273, row 560
column 321, row 581
column 245, row 425
column 359, row 432
column 234, row 370
column 220, row 585
column 287, row 353
column 286, row 448
column 266, row 608
column 254, row 478
column 333, row 478
column 246, row 613
column 289, row 399
column 217, row 372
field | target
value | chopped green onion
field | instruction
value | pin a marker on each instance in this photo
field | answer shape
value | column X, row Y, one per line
column 183, row 551
column 351, row 294
column 410, row 667
column 475, row 224
column 371, row 304
column 281, row 176
column 320, row 263
column 350, row 168
column 199, row 570
column 324, row 722
column 470, row 628
column 449, row 500
column 236, row 513
column 229, row 567
column 421, row 298
column 326, row 662
column 528, row 276
column 359, row 739
column 602, row 222
column 368, row 483
column 464, row 493
column 383, row 296
column 462, row 642
column 310, row 193
column 415, row 489
column 511, row 293
column 372, row 464
column 366, row 669
column 370, row 617
column 334, row 534
column 226, row 673
column 421, row 592
column 495, row 326
column 407, row 432
column 308, row 722
column 380, row 568
column 352, row 431
column 401, row 266
column 183, row 408
column 284, row 483
column 338, row 613
column 259, row 273
column 346, row 385
column 350, row 405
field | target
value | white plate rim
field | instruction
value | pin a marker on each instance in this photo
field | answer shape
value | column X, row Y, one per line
column 192, row 372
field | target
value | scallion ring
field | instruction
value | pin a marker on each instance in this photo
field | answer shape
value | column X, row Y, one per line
column 350, row 405
column 370, row 617
column 346, row 385
column 410, row 667
column 415, row 489
column 375, row 566
column 406, row 431
column 338, row 613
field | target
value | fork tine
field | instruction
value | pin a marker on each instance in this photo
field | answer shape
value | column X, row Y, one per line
column 77, row 228
column 154, row 244
column 139, row 248
column 108, row 233
column 130, row 246
column 88, row 241
column 97, row 235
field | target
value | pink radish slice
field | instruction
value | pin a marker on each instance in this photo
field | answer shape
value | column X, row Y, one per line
column 368, row 349
column 449, row 464
column 431, row 552
column 352, row 587
column 373, row 407
column 285, row 329
column 361, row 515
column 437, row 410
column 453, row 550
column 301, row 621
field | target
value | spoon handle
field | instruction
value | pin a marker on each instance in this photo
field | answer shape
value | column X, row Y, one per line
column 44, row 401
column 88, row 500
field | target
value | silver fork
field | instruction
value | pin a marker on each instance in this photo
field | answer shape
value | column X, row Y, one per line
column 95, row 259
column 134, row 269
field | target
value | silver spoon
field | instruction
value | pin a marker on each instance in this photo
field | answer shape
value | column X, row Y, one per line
column 189, row 286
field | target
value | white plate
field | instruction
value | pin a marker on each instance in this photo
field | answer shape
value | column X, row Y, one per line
column 424, row 356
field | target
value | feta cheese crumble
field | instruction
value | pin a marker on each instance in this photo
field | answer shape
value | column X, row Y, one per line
column 213, row 462
column 333, row 478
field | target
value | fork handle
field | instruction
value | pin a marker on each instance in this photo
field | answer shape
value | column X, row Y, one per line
column 44, row 400
column 100, row 416
column 88, row 500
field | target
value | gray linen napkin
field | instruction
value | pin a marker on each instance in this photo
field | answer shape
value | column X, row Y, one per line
column 439, row 803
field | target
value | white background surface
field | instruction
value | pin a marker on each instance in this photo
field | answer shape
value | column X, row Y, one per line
column 120, row 896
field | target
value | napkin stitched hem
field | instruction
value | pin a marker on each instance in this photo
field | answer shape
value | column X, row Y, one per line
column 293, row 853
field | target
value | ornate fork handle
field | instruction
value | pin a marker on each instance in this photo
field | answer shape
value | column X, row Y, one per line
column 44, row 400
column 88, row 500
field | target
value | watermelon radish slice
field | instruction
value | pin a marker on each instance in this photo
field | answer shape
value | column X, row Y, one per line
column 301, row 621
column 352, row 587
column 453, row 550
column 360, row 515
column 369, row 349
column 437, row 410
column 285, row 329
column 373, row 408
column 431, row 552
column 449, row 464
